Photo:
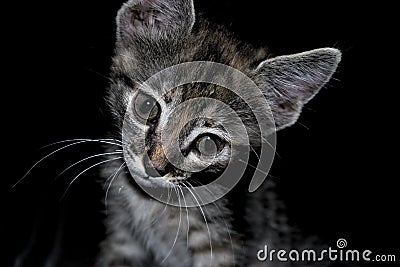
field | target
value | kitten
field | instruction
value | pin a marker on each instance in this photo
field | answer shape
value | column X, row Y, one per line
column 173, row 141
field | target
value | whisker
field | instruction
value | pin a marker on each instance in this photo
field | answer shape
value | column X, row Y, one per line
column 264, row 140
column 109, row 79
column 252, row 148
column 187, row 217
column 205, row 220
column 258, row 169
column 91, row 157
column 179, row 228
column 107, row 141
column 115, row 175
column 223, row 219
column 303, row 125
column 42, row 159
column 75, row 142
column 91, row 167
column 164, row 209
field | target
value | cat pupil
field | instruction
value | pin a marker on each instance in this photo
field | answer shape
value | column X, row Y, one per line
column 207, row 146
column 146, row 107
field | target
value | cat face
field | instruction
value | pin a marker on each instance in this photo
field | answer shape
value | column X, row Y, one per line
column 176, row 130
column 176, row 136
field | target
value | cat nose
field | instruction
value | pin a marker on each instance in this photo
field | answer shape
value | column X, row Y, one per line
column 156, row 167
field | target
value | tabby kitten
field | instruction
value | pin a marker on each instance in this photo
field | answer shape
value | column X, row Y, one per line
column 156, row 124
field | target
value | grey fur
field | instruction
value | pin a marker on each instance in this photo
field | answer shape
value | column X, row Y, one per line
column 151, row 36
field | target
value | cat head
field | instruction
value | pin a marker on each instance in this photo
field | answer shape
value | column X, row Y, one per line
column 174, row 129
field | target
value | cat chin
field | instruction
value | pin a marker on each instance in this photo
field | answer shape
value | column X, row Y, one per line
column 168, row 182
column 157, row 182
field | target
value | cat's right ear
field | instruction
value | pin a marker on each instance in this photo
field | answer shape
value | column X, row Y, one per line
column 290, row 81
column 154, row 20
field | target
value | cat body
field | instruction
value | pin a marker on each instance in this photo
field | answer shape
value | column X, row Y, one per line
column 154, row 35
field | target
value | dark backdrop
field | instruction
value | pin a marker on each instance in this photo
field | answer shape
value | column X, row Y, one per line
column 336, row 166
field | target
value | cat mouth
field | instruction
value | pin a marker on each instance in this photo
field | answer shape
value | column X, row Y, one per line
column 170, row 177
column 167, row 181
column 191, row 179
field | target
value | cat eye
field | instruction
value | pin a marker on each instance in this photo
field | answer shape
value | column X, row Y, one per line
column 146, row 107
column 209, row 145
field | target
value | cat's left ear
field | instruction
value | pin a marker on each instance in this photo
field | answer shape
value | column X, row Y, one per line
column 289, row 82
column 154, row 20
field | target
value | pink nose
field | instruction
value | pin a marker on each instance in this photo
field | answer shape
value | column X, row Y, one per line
column 156, row 164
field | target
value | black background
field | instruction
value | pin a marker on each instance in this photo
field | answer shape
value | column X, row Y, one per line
column 336, row 167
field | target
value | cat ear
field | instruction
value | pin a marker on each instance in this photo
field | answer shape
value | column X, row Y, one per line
column 289, row 82
column 154, row 19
